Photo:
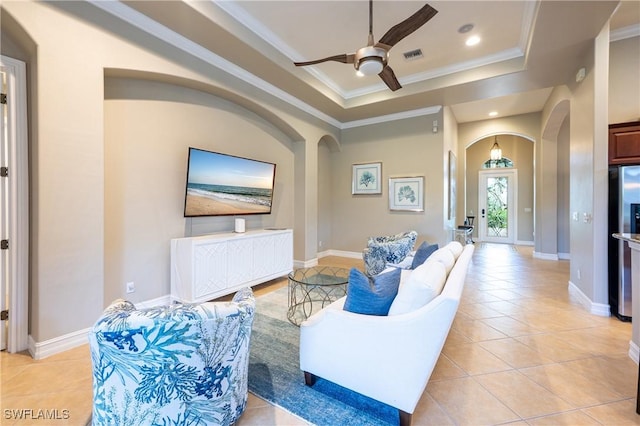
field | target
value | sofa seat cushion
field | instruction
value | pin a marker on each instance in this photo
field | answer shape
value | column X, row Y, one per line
column 372, row 295
column 422, row 254
column 420, row 287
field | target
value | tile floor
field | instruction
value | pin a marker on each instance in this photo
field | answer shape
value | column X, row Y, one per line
column 521, row 351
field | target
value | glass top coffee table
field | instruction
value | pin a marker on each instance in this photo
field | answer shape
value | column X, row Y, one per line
column 311, row 289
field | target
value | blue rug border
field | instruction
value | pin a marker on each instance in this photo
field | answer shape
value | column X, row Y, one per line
column 285, row 386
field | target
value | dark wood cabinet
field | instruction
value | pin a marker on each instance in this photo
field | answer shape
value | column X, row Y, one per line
column 624, row 143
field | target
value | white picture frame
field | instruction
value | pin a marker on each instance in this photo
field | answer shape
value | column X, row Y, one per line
column 406, row 193
column 366, row 178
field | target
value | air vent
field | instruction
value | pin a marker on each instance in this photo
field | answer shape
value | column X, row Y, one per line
column 412, row 55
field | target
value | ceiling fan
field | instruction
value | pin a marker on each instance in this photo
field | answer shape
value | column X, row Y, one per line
column 373, row 58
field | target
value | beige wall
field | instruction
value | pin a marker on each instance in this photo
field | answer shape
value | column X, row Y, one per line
column 564, row 213
column 405, row 148
column 149, row 127
column 88, row 227
column 624, row 81
column 71, row 167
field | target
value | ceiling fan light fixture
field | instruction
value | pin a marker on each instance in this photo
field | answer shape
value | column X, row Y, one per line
column 371, row 66
column 370, row 60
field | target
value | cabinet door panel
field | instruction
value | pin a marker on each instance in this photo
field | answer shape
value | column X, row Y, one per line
column 210, row 264
column 240, row 255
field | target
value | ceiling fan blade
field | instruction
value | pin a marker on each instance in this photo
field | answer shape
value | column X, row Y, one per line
column 409, row 25
column 389, row 77
column 344, row 58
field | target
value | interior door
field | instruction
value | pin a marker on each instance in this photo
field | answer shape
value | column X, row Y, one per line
column 4, row 210
column 497, row 206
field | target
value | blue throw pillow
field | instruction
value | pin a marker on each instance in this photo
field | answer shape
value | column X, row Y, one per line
column 424, row 251
column 371, row 295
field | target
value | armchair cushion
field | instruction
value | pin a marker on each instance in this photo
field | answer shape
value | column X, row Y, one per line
column 371, row 295
column 176, row 364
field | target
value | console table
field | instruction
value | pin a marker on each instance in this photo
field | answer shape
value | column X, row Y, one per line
column 209, row 266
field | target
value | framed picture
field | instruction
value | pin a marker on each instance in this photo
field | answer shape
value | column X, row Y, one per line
column 452, row 185
column 406, row 193
column 367, row 178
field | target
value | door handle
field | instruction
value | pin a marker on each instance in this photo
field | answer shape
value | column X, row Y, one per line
column 483, row 213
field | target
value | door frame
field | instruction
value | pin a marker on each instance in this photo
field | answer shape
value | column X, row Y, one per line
column 512, row 203
column 18, row 205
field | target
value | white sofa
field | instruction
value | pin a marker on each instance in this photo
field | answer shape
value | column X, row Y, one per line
column 387, row 358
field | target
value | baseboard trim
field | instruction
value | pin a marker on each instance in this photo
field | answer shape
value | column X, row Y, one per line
column 545, row 256
column 158, row 301
column 524, row 243
column 599, row 309
column 40, row 350
column 305, row 263
column 341, row 253
column 564, row 256
column 634, row 352
column 47, row 348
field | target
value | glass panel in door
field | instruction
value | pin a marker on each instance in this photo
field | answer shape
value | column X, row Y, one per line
column 496, row 195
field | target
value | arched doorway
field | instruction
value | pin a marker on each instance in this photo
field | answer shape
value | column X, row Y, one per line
column 513, row 221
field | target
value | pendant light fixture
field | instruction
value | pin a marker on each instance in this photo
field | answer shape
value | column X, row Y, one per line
column 496, row 151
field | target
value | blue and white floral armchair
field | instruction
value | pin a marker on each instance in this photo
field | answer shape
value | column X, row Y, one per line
column 180, row 364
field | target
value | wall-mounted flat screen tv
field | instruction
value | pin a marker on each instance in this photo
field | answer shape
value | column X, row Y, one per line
column 222, row 185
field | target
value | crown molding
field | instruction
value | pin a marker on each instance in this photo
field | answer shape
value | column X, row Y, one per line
column 624, row 33
column 392, row 117
column 153, row 28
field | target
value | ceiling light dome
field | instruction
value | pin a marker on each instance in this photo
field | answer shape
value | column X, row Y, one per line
column 371, row 66
column 370, row 60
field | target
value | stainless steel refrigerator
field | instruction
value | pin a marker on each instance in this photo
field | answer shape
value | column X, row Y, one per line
column 624, row 216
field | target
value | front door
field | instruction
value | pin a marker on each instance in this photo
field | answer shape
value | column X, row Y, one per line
column 497, row 206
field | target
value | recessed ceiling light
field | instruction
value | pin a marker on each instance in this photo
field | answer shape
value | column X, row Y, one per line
column 493, row 113
column 465, row 28
column 472, row 41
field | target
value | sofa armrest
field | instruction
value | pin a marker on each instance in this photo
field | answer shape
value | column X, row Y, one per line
column 388, row 358
column 355, row 350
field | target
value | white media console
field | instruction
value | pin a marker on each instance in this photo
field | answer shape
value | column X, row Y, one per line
column 210, row 266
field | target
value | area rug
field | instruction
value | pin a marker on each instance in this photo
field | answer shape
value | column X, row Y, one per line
column 274, row 374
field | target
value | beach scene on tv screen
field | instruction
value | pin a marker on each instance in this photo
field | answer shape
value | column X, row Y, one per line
column 219, row 184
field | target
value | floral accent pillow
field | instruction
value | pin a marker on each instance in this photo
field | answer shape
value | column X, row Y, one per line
column 390, row 249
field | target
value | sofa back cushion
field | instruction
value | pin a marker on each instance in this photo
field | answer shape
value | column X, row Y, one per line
column 455, row 248
column 444, row 256
column 422, row 285
column 371, row 295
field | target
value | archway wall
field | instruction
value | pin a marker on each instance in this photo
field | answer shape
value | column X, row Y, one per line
column 517, row 136
column 552, row 191
column 78, row 198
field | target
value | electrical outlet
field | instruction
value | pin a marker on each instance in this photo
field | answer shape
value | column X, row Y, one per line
column 131, row 287
column 579, row 274
column 320, row 244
